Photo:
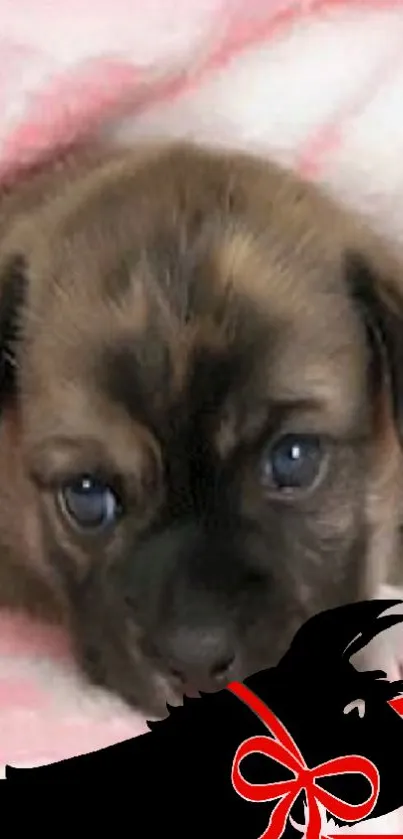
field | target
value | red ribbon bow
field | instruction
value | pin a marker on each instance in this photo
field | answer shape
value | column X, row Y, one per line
column 282, row 749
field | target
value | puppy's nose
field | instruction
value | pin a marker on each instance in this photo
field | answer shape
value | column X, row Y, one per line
column 201, row 660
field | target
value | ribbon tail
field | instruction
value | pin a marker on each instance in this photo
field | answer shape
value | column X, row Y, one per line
column 314, row 828
column 279, row 816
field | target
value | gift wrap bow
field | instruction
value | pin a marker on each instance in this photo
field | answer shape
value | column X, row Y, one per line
column 282, row 749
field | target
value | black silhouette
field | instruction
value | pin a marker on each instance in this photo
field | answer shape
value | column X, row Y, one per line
column 179, row 775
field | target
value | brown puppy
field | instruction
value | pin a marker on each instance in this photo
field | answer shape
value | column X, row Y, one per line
column 200, row 415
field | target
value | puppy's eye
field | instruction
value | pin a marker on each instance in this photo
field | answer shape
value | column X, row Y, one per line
column 89, row 504
column 293, row 462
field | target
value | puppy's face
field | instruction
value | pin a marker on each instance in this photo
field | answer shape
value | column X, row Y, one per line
column 197, row 436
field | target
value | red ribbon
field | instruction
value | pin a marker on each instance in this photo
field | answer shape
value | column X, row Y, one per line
column 282, row 749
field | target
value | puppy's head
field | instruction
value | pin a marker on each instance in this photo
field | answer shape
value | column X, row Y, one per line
column 205, row 415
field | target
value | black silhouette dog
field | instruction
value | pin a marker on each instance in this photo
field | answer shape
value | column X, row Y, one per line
column 188, row 769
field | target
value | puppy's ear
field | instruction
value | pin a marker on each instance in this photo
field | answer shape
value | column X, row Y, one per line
column 376, row 285
column 12, row 295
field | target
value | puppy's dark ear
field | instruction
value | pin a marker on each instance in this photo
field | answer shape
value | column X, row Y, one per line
column 12, row 295
column 377, row 289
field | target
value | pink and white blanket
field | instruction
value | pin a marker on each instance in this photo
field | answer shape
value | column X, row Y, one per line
column 317, row 84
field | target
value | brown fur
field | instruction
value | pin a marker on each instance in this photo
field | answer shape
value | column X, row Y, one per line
column 140, row 268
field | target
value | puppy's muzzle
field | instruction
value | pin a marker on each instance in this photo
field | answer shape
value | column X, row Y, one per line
column 190, row 579
column 199, row 658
